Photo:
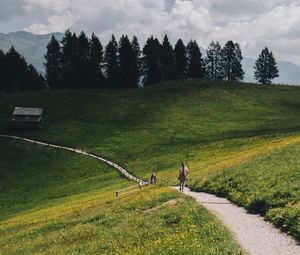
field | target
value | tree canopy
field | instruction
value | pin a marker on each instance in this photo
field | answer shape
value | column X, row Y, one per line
column 266, row 67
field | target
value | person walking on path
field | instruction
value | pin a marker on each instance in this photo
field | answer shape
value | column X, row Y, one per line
column 182, row 177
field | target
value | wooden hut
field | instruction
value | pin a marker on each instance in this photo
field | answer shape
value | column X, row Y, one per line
column 27, row 118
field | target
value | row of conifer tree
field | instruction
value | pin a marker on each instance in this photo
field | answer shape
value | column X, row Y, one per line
column 17, row 75
column 80, row 62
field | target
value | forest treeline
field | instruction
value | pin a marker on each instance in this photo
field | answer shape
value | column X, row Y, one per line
column 16, row 75
column 81, row 62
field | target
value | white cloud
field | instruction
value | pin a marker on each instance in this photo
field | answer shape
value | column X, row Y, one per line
column 253, row 23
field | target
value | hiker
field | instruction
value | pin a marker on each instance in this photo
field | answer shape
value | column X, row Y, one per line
column 153, row 178
column 182, row 177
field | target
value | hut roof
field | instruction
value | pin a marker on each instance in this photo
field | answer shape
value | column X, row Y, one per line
column 27, row 111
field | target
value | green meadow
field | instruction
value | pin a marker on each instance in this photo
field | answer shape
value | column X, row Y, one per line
column 225, row 132
column 57, row 202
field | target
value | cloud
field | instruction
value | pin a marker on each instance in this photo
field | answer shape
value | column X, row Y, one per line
column 253, row 23
column 278, row 29
column 9, row 11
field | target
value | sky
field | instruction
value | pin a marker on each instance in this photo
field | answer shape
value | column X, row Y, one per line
column 252, row 23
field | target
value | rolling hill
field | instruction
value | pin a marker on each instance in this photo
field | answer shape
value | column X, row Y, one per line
column 224, row 131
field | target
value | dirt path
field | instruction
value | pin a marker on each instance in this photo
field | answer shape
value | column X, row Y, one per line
column 81, row 151
column 255, row 235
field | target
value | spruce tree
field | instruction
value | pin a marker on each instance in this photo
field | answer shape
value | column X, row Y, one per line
column 111, row 59
column 16, row 70
column 195, row 61
column 2, row 71
column 232, row 62
column 82, row 63
column 167, row 60
column 53, row 64
column 34, row 81
column 128, row 64
column 96, row 61
column 180, row 60
column 151, row 61
column 69, row 75
column 214, row 62
column 137, row 56
column 266, row 67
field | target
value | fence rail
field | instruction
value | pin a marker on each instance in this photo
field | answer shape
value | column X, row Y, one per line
column 122, row 170
column 131, row 189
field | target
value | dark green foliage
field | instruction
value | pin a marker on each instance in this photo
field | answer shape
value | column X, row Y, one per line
column 2, row 71
column 34, row 81
column 15, row 71
column 137, row 53
column 112, row 66
column 167, row 60
column 180, row 60
column 96, row 60
column 53, row 64
column 266, row 67
column 232, row 61
column 195, row 62
column 214, row 61
column 16, row 75
column 151, row 61
column 82, row 63
column 128, row 63
column 69, row 79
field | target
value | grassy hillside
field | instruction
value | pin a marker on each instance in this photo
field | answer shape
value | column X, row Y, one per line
column 57, row 202
column 213, row 127
column 154, row 129
column 268, row 184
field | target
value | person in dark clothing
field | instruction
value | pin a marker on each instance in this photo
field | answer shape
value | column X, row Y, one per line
column 153, row 178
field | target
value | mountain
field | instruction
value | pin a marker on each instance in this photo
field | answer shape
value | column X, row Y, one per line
column 31, row 46
column 288, row 71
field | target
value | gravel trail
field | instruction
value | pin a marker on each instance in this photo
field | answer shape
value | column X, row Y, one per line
column 122, row 170
column 252, row 232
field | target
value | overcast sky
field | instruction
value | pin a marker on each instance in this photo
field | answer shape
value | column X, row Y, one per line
column 253, row 23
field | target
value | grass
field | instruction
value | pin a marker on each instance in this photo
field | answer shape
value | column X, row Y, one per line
column 268, row 184
column 57, row 202
column 154, row 129
column 213, row 127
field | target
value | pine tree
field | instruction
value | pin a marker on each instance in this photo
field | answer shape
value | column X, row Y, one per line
column 34, row 81
column 128, row 63
column 97, row 78
column 151, row 61
column 167, row 60
column 112, row 67
column 69, row 75
column 2, row 71
column 82, row 63
column 137, row 56
column 232, row 58
column 214, row 62
column 53, row 64
column 180, row 60
column 266, row 67
column 195, row 62
column 16, row 69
